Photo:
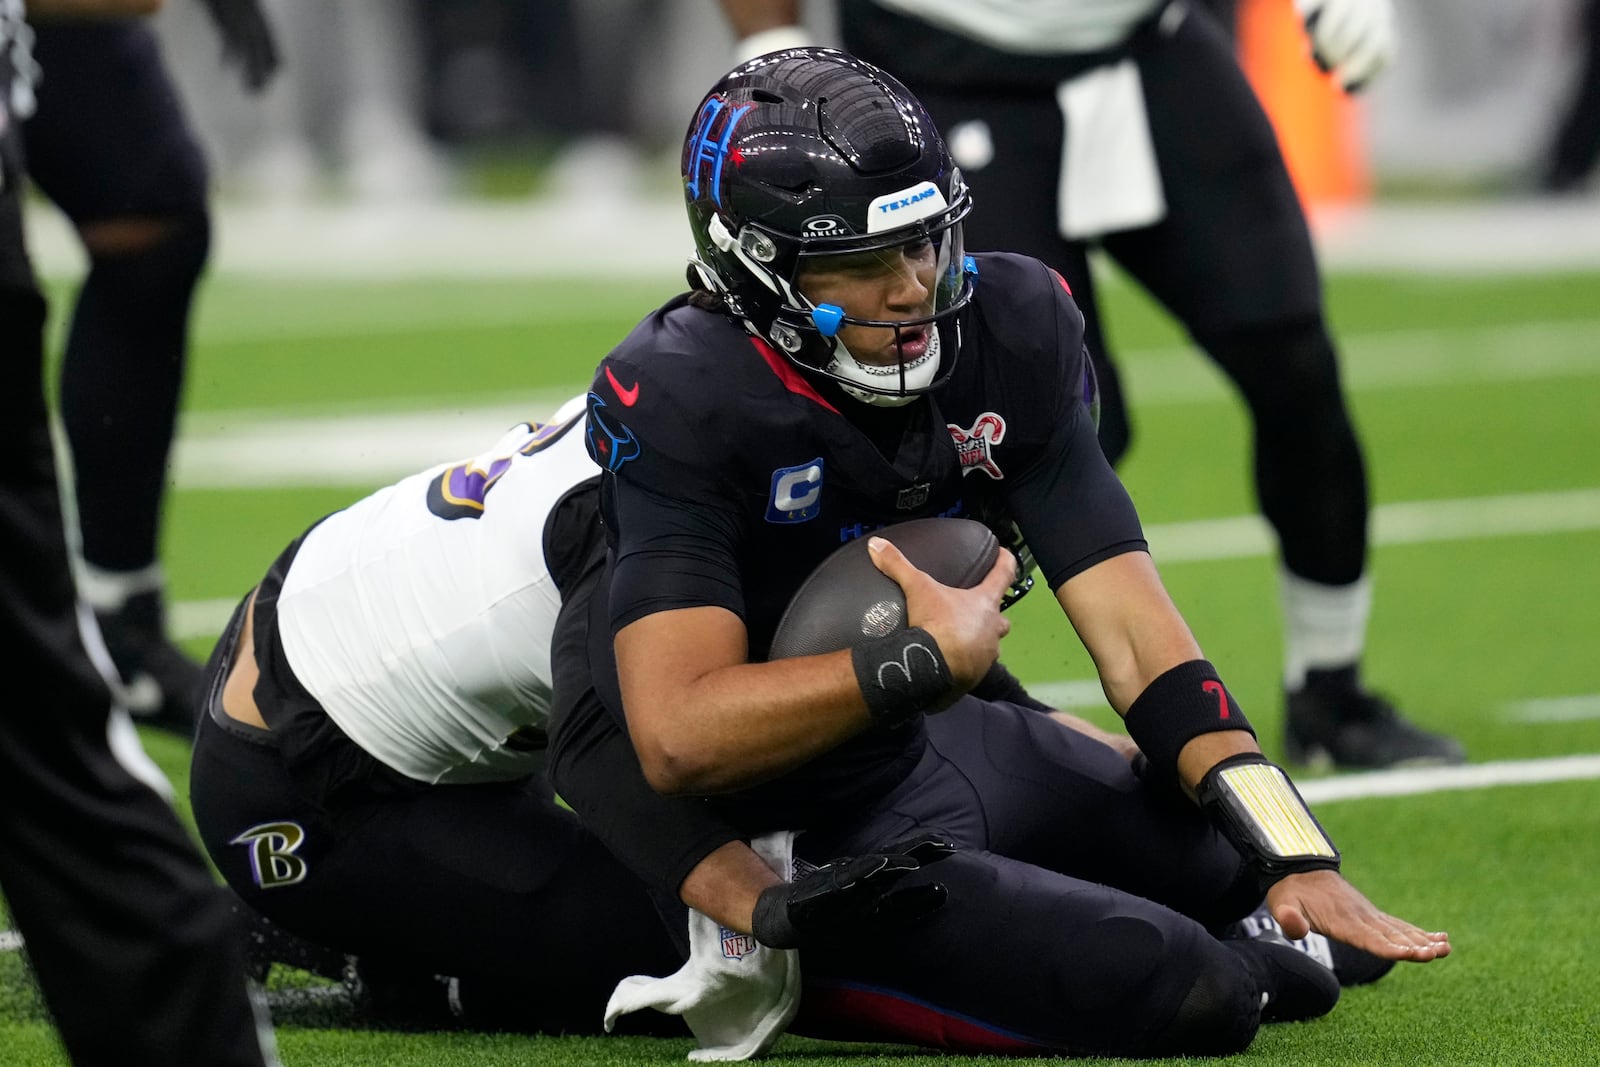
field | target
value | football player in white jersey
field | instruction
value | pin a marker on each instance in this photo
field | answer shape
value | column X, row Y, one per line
column 366, row 771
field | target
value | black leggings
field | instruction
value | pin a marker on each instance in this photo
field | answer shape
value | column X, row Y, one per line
column 494, row 884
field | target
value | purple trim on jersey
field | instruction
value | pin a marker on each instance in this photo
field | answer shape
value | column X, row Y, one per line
column 791, row 378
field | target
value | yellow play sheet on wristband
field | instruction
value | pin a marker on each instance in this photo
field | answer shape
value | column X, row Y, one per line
column 1285, row 826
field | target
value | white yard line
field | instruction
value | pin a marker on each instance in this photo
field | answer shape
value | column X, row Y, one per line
column 1401, row 523
column 1237, row 537
column 645, row 236
column 1398, row 783
column 1555, row 709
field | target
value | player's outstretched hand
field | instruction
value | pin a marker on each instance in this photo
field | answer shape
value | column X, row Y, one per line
column 966, row 622
column 1323, row 901
column 852, row 896
column 247, row 39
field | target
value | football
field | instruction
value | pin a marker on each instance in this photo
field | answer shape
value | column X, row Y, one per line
column 847, row 598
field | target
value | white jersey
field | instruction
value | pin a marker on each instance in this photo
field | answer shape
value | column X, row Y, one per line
column 421, row 617
column 1034, row 27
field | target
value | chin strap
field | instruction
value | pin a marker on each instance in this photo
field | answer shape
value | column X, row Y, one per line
column 918, row 375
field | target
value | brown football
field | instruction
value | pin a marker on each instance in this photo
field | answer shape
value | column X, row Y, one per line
column 847, row 599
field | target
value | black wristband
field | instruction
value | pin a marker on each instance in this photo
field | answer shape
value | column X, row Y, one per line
column 1180, row 705
column 901, row 675
column 770, row 924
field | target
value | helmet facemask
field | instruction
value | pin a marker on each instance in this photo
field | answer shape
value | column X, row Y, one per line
column 907, row 341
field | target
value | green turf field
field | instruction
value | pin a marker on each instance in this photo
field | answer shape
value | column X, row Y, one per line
column 1477, row 399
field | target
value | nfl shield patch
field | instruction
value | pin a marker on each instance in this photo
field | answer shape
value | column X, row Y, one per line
column 736, row 946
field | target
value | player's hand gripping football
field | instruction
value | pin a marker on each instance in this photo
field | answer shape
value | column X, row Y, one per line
column 966, row 622
column 852, row 896
column 1323, row 901
column 1352, row 39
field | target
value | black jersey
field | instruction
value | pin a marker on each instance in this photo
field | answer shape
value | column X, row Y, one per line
column 16, row 75
column 730, row 475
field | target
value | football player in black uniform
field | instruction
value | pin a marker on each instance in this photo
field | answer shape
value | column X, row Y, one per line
column 1127, row 125
column 132, row 942
column 111, row 146
column 842, row 364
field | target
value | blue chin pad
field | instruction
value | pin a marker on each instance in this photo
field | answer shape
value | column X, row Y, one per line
column 828, row 318
column 969, row 265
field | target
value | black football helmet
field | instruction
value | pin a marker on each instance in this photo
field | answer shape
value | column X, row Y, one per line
column 808, row 153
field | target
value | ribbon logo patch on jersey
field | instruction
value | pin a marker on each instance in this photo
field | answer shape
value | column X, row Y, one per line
column 974, row 447
column 796, row 493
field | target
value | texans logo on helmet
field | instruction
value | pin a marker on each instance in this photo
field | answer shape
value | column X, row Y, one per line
column 610, row 443
column 708, row 146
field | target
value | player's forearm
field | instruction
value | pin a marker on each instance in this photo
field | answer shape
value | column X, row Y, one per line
column 742, row 725
column 724, row 886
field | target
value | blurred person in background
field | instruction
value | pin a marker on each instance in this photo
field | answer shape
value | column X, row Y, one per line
column 109, row 143
column 1129, row 126
column 350, row 120
column 1572, row 156
column 132, row 943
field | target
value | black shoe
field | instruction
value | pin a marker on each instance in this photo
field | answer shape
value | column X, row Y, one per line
column 160, row 685
column 1294, row 986
column 266, row 943
column 1332, row 720
column 402, row 998
column 1350, row 965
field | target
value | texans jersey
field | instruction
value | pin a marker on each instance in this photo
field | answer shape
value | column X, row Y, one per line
column 730, row 475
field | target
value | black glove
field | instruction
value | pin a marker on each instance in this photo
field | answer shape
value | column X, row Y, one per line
column 247, row 40
column 851, row 895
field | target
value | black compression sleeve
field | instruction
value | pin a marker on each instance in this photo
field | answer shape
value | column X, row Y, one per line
column 595, row 770
column 1072, row 508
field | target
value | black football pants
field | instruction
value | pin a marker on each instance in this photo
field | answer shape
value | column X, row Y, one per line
column 132, row 942
column 495, row 885
column 1078, row 905
column 1232, row 260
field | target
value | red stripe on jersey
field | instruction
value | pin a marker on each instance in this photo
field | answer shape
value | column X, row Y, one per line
column 853, row 1013
column 1062, row 280
column 790, row 375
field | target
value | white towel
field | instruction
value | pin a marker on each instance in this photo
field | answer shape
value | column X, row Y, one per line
column 736, row 994
column 1109, row 181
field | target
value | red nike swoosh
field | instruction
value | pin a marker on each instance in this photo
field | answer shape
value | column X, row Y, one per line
column 627, row 396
